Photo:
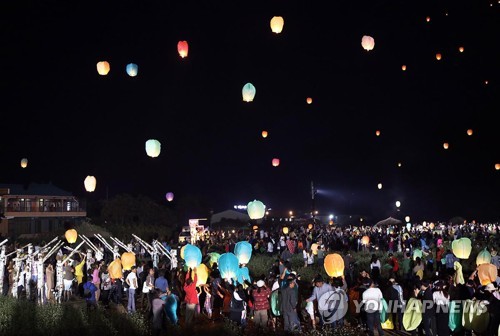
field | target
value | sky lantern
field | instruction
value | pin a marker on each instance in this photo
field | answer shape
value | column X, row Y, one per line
column 310, row 226
column 365, row 240
column 214, row 258
column 403, row 67
column 379, row 185
column 377, row 133
column 169, row 196
column 497, row 166
column 309, row 100
column 228, row 266
column 417, row 253
column 462, row 248
column 275, row 162
column 368, row 43
column 132, row 69
column 446, row 145
column 24, row 163
column 461, row 49
column 487, row 273
column 192, row 256
column 153, row 148
column 243, row 274
column 277, row 23
column 182, row 48
column 285, row 230
column 428, row 19
column 90, row 183
column 256, row 209
column 202, row 272
column 334, row 265
column 314, row 248
column 115, row 269
column 103, row 68
column 469, row 132
column 483, row 257
column 485, row 82
column 128, row 260
column 248, row 92
column 243, row 251
column 71, row 236
column 438, row 56
column 264, row 134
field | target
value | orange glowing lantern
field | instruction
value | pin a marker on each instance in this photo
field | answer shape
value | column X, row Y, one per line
column 497, row 166
column 431, row 226
column 428, row 19
column 334, row 265
column 365, row 240
column 71, row 236
column 461, row 49
column 276, row 162
column 277, row 23
column 103, row 68
column 115, row 269
column 403, row 67
column 446, row 145
column 309, row 100
column 330, row 222
column 310, row 226
column 264, row 134
column 182, row 48
column 255, row 228
column 469, row 132
column 377, row 133
column 487, row 273
column 438, row 57
column 128, row 260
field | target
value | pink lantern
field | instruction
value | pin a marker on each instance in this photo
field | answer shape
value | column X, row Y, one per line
column 169, row 196
column 182, row 48
column 276, row 162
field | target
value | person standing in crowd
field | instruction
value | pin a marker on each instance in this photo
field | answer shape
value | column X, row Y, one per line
column 158, row 311
column 441, row 300
column 147, row 290
column 289, row 307
column 131, row 281
column 90, row 288
column 407, row 269
column 394, row 263
column 68, row 276
column 49, row 281
column 320, row 288
column 238, row 305
column 429, row 311
column 261, row 302
column 191, row 297
column 161, row 283
column 96, row 280
column 375, row 268
column 418, row 269
column 372, row 298
column 105, row 285
column 79, row 271
column 394, row 295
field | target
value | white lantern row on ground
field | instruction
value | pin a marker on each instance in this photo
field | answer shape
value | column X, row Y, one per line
column 153, row 148
column 132, row 69
column 368, row 43
column 277, row 23
column 256, row 209
column 90, row 183
column 103, row 68
column 248, row 92
column 24, row 163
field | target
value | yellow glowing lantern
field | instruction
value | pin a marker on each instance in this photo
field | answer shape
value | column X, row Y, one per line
column 438, row 57
column 202, row 272
column 330, row 222
column 277, row 23
column 264, row 134
column 334, row 265
column 469, row 132
column 310, row 226
column 71, row 236
column 182, row 48
column 309, row 100
column 103, row 68
column 181, row 253
column 285, row 229
column 461, row 49
column 128, row 260
column 497, row 166
column 487, row 273
column 276, row 162
column 431, row 226
column 365, row 240
column 90, row 183
column 403, row 67
column 483, row 257
column 115, row 269
column 462, row 248
column 24, row 163
column 446, row 145
column 367, row 42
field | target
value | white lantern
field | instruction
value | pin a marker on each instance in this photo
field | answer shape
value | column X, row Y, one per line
column 256, row 209
column 379, row 186
column 153, row 148
column 90, row 183
column 277, row 23
column 368, row 43
column 248, row 92
column 24, row 163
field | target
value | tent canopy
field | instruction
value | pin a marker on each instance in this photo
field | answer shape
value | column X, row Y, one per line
column 389, row 221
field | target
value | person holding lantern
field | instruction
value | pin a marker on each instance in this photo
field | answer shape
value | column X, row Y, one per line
column 191, row 298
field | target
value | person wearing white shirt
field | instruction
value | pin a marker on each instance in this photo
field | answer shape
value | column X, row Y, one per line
column 132, row 282
column 372, row 298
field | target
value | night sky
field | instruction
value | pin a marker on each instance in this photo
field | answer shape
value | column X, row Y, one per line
column 70, row 122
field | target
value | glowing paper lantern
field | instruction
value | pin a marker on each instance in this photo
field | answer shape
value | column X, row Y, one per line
column 228, row 266
column 438, row 57
column 169, row 196
column 24, row 163
column 428, row 19
column 446, row 145
column 214, row 258
column 497, row 166
column 417, row 253
column 368, row 43
column 469, row 132
column 181, row 253
column 153, row 148
column 248, row 92
column 264, row 134
column 192, row 255
column 314, row 248
column 461, row 49
column 243, row 274
column 365, row 240
column 256, row 209
column 132, row 69
column 275, row 162
column 182, row 48
column 115, row 269
column 277, row 23
column 71, row 236
column 103, row 68
column 483, row 257
column 408, row 226
column 487, row 273
column 462, row 248
column 128, row 260
column 377, row 133
column 431, row 226
column 334, row 265
column 403, row 67
column 379, row 185
column 202, row 272
column 243, row 251
column 255, row 227
column 309, row 100
column 310, row 226
column 285, row 230
column 90, row 183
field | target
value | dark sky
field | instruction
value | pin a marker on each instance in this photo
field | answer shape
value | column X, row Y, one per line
column 70, row 122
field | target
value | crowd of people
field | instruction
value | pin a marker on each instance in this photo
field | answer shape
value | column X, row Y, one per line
column 280, row 299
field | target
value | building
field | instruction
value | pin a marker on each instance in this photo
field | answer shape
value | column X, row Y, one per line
column 37, row 209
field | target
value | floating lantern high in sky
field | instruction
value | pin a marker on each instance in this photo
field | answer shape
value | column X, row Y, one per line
column 438, row 57
column 153, row 148
column 243, row 251
column 128, row 260
column 182, row 48
column 24, row 163
column 264, row 134
column 334, row 265
column 103, row 68
column 132, row 69
column 497, row 166
column 403, row 67
column 248, row 92
column 377, row 133
column 277, row 23
column 275, row 162
column 446, row 145
column 379, row 185
column 71, row 236
column 228, row 266
column 469, row 132
column 368, row 43
column 256, row 209
column 169, row 196
column 461, row 49
column 428, row 19
column 309, row 100
column 192, row 255
column 90, row 183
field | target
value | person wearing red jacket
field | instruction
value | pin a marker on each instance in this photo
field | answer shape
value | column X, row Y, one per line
column 191, row 297
column 261, row 304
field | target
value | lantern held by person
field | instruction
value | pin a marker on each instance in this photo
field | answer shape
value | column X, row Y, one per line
column 202, row 272
column 71, row 236
column 277, row 23
column 192, row 256
column 334, row 265
column 243, row 274
column 153, row 148
column 182, row 48
column 214, row 258
column 90, row 183
column 115, row 269
column 483, row 257
column 243, row 251
column 228, row 266
column 461, row 248
column 314, row 248
column 487, row 273
column 256, row 209
column 365, row 240
column 285, row 230
column 128, row 260
column 310, row 226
